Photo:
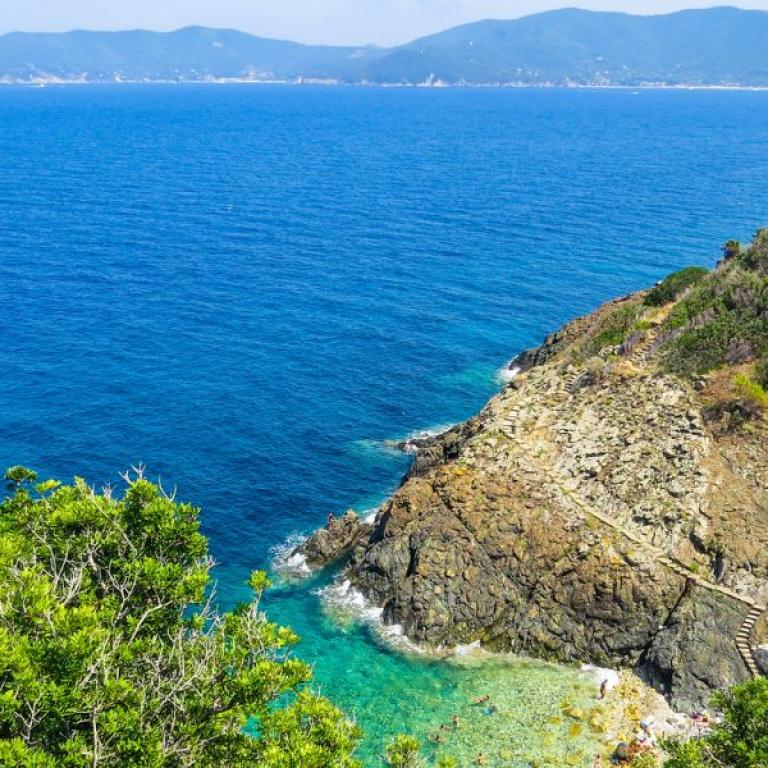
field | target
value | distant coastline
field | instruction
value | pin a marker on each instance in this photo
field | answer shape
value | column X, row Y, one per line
column 714, row 48
column 46, row 82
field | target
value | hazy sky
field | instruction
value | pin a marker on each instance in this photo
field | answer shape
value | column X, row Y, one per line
column 314, row 21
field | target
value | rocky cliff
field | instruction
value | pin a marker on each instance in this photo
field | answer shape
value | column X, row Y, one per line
column 611, row 504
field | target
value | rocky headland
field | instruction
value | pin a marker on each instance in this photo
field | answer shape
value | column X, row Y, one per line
column 609, row 506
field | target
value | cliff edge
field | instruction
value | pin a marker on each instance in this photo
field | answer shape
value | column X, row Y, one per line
column 611, row 504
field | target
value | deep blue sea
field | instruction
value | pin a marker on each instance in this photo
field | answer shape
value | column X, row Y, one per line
column 249, row 288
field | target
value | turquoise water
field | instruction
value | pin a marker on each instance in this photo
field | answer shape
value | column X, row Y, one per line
column 248, row 289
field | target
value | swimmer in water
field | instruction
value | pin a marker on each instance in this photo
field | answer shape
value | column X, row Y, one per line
column 480, row 759
column 481, row 700
column 456, row 722
column 603, row 689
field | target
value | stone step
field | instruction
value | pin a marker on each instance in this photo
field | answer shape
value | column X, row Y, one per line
column 743, row 639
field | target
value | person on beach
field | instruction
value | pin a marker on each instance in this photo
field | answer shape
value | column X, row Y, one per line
column 603, row 689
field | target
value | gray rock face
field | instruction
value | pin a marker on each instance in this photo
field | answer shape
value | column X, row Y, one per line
column 761, row 655
column 337, row 539
column 694, row 653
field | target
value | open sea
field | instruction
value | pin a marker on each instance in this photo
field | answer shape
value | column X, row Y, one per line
column 249, row 288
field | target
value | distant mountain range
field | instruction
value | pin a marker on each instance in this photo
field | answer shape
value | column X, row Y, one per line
column 716, row 46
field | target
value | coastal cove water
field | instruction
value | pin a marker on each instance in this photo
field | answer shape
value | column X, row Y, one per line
column 250, row 288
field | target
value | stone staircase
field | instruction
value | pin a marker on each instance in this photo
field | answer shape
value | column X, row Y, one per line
column 570, row 381
column 743, row 637
column 641, row 353
column 638, row 357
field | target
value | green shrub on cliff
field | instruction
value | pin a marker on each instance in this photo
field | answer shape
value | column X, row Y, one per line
column 109, row 655
column 739, row 741
column 724, row 318
column 755, row 258
column 673, row 285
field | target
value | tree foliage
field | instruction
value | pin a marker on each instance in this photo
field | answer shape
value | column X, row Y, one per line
column 110, row 654
column 739, row 741
column 404, row 752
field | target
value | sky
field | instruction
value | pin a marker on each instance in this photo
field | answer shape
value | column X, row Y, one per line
column 348, row 22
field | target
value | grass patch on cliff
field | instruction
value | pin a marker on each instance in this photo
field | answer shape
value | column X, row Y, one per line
column 761, row 373
column 613, row 328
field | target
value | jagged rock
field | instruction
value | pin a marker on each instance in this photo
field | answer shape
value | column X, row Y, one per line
column 337, row 539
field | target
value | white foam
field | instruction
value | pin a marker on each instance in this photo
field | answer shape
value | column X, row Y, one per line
column 287, row 562
column 369, row 515
column 424, row 434
column 471, row 649
column 409, row 442
column 507, row 374
column 347, row 604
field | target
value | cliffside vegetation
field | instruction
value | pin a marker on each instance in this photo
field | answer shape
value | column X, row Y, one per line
column 724, row 318
column 111, row 656
column 738, row 740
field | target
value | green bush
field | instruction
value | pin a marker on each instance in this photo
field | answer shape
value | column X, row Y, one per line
column 673, row 285
column 723, row 319
column 755, row 258
column 403, row 752
column 739, row 741
column 110, row 655
column 645, row 760
column 731, row 249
